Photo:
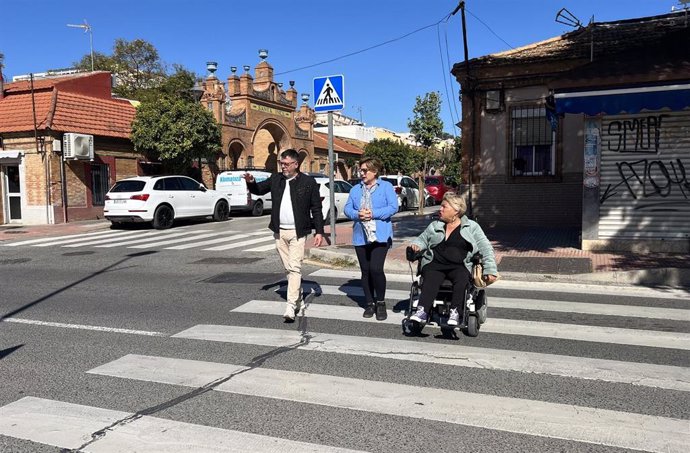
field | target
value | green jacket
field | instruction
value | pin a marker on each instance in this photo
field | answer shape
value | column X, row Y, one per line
column 470, row 231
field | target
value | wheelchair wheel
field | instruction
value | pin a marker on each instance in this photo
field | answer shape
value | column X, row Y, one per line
column 472, row 329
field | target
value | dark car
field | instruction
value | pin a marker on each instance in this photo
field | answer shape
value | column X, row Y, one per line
column 438, row 185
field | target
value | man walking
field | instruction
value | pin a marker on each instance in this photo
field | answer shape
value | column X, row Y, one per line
column 296, row 204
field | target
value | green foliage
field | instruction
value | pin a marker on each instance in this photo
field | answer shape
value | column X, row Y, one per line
column 451, row 160
column 175, row 131
column 136, row 65
column 426, row 126
column 396, row 156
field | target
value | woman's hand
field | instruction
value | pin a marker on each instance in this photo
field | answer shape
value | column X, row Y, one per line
column 489, row 279
column 365, row 214
column 414, row 247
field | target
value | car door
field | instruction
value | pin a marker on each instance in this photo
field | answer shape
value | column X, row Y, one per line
column 174, row 195
column 411, row 191
column 342, row 192
column 199, row 201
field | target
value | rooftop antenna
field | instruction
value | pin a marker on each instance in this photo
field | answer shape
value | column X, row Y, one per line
column 567, row 18
column 87, row 29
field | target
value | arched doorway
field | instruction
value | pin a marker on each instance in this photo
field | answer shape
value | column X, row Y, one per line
column 269, row 140
column 235, row 157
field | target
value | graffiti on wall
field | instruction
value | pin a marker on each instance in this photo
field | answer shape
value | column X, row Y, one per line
column 655, row 179
column 637, row 135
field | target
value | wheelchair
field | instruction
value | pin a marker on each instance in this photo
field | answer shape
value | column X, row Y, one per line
column 473, row 313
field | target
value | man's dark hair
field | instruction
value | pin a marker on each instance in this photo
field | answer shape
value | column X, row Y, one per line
column 290, row 154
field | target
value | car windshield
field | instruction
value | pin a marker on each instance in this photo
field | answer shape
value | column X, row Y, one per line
column 128, row 186
column 431, row 181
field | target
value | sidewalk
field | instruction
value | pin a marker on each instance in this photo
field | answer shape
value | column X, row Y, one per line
column 534, row 254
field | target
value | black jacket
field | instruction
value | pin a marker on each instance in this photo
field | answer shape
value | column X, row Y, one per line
column 304, row 192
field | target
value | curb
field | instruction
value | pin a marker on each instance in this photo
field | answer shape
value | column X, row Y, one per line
column 677, row 278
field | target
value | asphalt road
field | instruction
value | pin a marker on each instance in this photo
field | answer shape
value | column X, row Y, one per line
column 185, row 349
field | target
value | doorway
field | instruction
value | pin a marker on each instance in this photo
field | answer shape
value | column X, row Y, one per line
column 13, row 192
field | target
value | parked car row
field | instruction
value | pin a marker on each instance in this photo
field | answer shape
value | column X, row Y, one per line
column 162, row 199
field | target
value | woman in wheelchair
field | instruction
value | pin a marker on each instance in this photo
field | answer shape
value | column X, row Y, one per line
column 446, row 247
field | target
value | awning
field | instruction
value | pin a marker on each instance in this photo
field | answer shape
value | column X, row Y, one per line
column 627, row 100
column 11, row 154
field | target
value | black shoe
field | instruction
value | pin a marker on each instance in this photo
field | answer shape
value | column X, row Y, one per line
column 381, row 311
column 369, row 311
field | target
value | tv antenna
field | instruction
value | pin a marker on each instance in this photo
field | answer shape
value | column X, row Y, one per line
column 87, row 29
column 567, row 18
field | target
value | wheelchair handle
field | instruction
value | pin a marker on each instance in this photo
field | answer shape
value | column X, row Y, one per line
column 412, row 255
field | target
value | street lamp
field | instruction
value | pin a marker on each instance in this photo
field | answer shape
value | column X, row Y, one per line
column 87, row 29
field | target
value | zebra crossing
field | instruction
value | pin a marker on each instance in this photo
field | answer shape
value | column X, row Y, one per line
column 614, row 420
column 180, row 238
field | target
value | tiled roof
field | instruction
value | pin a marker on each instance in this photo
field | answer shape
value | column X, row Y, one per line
column 61, row 107
column 603, row 37
column 339, row 145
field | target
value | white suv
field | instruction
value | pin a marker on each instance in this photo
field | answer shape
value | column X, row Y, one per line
column 162, row 199
column 407, row 190
column 342, row 191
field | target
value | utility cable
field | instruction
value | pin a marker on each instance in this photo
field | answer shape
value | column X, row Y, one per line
column 443, row 76
column 365, row 49
column 489, row 28
column 455, row 99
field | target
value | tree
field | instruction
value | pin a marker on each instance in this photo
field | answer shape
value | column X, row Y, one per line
column 176, row 131
column 395, row 155
column 426, row 126
column 136, row 65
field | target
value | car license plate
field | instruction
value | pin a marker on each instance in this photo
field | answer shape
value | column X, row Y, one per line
column 120, row 201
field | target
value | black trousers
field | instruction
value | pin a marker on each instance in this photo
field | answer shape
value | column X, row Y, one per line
column 371, row 258
column 433, row 277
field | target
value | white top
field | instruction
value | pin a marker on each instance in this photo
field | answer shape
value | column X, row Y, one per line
column 287, row 216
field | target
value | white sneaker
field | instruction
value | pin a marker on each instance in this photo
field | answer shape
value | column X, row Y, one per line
column 454, row 318
column 289, row 315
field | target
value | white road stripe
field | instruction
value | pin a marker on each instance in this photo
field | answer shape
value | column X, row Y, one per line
column 615, row 335
column 574, row 288
column 84, row 327
column 174, row 241
column 522, row 416
column 70, row 426
column 241, row 244
column 113, row 242
column 528, row 304
column 214, row 241
column 265, row 248
column 119, row 235
column 53, row 238
column 648, row 375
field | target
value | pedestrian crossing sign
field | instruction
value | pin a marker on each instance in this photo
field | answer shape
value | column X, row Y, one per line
column 329, row 93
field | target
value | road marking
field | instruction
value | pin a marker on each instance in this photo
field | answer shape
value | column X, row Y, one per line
column 241, row 244
column 634, row 311
column 265, row 248
column 86, row 236
column 214, row 241
column 615, row 335
column 522, row 416
column 85, row 327
column 574, row 288
column 114, row 242
column 648, row 375
column 174, row 241
column 70, row 426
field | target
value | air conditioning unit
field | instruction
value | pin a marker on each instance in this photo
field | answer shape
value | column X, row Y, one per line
column 77, row 146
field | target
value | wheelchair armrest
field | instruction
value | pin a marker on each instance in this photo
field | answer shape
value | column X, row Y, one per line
column 411, row 255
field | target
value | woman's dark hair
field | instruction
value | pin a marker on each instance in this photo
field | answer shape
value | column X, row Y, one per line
column 373, row 164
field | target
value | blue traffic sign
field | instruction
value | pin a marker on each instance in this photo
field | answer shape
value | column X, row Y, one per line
column 329, row 93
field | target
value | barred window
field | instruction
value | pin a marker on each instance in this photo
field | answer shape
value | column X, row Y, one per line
column 532, row 142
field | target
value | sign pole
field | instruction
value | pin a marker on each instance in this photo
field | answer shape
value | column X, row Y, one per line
column 331, row 172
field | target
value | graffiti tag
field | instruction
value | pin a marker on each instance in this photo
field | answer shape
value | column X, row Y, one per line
column 645, row 131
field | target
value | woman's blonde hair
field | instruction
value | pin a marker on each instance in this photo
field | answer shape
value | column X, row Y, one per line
column 456, row 202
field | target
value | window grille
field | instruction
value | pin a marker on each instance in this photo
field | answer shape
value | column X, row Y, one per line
column 532, row 142
column 99, row 183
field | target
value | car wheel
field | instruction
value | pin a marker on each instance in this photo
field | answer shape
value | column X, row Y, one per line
column 221, row 213
column 258, row 208
column 163, row 217
column 404, row 205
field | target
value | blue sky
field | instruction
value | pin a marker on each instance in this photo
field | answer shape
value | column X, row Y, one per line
column 381, row 83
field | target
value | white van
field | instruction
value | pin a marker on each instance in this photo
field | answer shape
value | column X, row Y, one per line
column 234, row 187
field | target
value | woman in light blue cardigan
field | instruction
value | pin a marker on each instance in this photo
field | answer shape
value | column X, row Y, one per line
column 371, row 205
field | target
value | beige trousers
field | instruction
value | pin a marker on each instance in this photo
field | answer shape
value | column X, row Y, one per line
column 291, row 251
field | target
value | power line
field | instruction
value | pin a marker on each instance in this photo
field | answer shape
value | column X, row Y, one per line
column 443, row 76
column 365, row 49
column 489, row 28
column 455, row 99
